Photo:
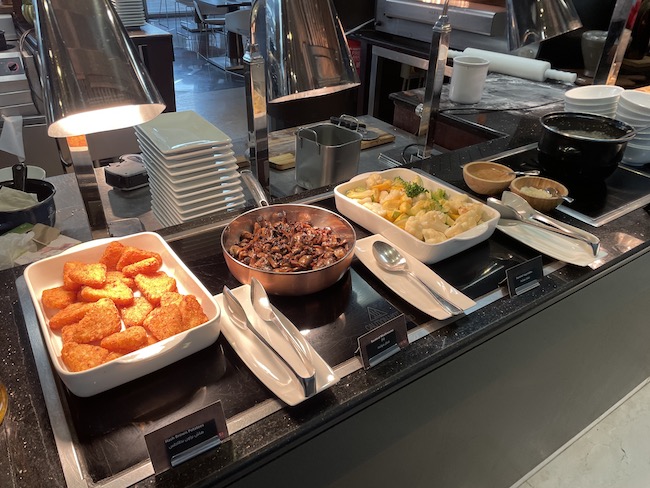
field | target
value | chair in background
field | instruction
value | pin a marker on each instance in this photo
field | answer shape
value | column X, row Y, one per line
column 211, row 21
column 238, row 31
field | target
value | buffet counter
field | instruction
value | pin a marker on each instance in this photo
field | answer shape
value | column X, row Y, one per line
column 478, row 400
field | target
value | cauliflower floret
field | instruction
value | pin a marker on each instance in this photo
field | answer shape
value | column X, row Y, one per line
column 432, row 236
column 373, row 179
column 376, row 208
column 394, row 194
column 455, row 202
column 469, row 219
column 431, row 220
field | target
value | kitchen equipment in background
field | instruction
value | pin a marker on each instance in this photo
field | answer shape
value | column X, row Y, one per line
column 474, row 24
column 582, row 147
column 593, row 99
column 468, row 79
column 43, row 212
column 15, row 92
column 33, row 172
column 326, row 154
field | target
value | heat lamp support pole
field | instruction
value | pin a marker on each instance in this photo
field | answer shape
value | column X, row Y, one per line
column 435, row 77
column 255, row 79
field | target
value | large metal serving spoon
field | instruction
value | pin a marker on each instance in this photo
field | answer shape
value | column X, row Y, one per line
column 390, row 259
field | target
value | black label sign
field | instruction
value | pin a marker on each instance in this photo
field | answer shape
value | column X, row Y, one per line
column 186, row 438
column 383, row 341
column 525, row 276
column 198, row 438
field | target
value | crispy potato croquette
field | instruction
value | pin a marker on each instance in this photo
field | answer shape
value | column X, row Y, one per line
column 112, row 255
column 68, row 283
column 58, row 297
column 192, row 312
column 101, row 320
column 116, row 291
column 170, row 297
column 153, row 286
column 135, row 314
column 164, row 322
column 110, row 308
column 133, row 255
column 90, row 274
column 126, row 341
column 80, row 357
column 146, row 266
column 69, row 315
column 119, row 276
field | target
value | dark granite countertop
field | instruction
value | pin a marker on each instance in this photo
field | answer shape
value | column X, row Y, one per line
column 29, row 452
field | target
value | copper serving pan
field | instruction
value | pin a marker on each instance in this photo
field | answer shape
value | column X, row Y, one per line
column 301, row 282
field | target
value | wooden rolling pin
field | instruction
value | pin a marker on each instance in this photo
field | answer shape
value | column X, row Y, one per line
column 507, row 64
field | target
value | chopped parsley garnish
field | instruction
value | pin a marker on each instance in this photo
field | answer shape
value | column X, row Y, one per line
column 412, row 189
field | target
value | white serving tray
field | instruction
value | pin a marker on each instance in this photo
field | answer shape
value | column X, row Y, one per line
column 48, row 273
column 427, row 253
column 404, row 287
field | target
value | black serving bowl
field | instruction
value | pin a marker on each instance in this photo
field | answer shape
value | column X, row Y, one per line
column 582, row 147
column 43, row 212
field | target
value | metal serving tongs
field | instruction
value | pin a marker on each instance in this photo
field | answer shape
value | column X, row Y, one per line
column 237, row 315
column 513, row 207
column 264, row 310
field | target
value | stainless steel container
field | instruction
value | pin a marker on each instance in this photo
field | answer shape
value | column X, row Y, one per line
column 326, row 154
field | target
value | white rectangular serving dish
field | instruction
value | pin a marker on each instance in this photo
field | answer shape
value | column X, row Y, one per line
column 48, row 273
column 427, row 253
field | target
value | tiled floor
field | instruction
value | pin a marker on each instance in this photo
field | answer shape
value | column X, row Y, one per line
column 612, row 453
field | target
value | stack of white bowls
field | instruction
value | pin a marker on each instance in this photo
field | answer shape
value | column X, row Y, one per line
column 634, row 109
column 593, row 99
column 191, row 166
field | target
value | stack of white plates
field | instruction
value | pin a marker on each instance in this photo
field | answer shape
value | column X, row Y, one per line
column 634, row 109
column 130, row 12
column 191, row 166
column 593, row 99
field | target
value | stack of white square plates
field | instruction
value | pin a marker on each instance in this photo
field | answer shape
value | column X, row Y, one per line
column 130, row 12
column 191, row 166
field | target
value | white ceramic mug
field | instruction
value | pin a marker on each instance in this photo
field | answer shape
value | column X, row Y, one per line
column 468, row 79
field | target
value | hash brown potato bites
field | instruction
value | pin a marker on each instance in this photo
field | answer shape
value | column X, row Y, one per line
column 113, row 307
